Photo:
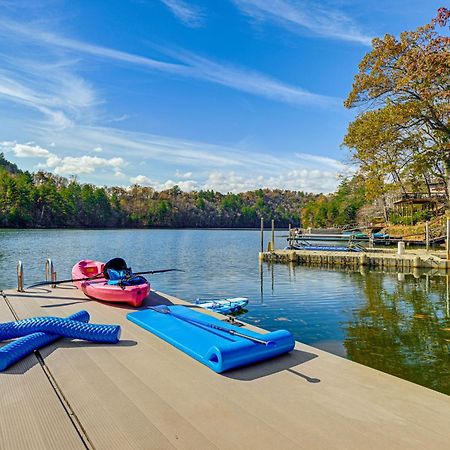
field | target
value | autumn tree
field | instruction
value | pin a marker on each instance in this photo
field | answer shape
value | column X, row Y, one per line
column 402, row 134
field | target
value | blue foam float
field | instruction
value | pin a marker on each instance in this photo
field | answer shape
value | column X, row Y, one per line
column 64, row 327
column 16, row 350
column 195, row 334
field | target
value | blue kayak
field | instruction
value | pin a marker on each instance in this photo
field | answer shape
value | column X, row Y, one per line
column 223, row 305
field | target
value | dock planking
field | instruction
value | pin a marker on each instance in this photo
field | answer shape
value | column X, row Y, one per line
column 144, row 393
column 31, row 413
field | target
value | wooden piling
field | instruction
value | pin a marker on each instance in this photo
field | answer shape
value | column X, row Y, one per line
column 427, row 235
column 273, row 234
column 447, row 242
column 262, row 235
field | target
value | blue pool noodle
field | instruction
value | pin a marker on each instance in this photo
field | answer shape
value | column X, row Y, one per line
column 18, row 349
column 64, row 327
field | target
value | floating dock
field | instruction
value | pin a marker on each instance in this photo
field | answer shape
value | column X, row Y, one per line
column 145, row 394
column 379, row 259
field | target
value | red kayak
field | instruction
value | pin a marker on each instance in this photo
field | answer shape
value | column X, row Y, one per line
column 100, row 289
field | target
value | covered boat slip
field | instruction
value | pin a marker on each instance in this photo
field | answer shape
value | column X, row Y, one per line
column 144, row 393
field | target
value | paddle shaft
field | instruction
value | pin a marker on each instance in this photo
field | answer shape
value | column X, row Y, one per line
column 213, row 326
column 99, row 275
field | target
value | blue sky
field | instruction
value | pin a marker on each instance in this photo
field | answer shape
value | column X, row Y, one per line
column 230, row 95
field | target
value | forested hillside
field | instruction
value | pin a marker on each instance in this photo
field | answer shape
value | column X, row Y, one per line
column 45, row 200
column 337, row 209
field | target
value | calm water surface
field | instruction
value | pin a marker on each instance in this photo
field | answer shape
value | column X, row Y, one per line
column 393, row 322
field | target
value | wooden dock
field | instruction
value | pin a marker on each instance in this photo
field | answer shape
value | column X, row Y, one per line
column 412, row 259
column 145, row 394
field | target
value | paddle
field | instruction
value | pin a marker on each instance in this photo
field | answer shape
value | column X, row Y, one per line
column 163, row 309
column 99, row 275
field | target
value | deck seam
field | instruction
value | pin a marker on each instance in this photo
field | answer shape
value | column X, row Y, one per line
column 51, row 379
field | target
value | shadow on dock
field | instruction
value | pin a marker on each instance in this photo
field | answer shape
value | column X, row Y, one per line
column 27, row 363
column 266, row 368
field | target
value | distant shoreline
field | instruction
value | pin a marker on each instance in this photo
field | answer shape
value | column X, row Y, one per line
column 139, row 228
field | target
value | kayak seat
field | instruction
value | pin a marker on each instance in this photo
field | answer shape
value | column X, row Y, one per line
column 117, row 265
column 91, row 268
column 124, row 278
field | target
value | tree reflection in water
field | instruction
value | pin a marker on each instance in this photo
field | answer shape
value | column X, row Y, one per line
column 403, row 328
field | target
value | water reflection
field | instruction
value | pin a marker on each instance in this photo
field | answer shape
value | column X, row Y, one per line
column 400, row 325
column 404, row 329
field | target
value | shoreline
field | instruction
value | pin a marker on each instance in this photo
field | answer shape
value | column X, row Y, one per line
column 144, row 228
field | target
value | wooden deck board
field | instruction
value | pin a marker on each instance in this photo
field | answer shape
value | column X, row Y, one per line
column 144, row 393
column 31, row 414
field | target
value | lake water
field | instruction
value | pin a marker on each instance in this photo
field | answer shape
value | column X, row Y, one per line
column 393, row 322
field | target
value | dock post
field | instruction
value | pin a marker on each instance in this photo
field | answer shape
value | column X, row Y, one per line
column 447, row 297
column 262, row 235
column 20, row 277
column 447, row 242
column 363, row 259
column 273, row 234
column 427, row 235
column 290, row 236
column 50, row 274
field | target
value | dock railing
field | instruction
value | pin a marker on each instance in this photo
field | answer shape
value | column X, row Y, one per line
column 50, row 274
column 20, row 286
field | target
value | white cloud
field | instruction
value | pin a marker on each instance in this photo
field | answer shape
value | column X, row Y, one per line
column 67, row 165
column 28, row 150
column 184, row 185
column 311, row 173
column 302, row 179
column 52, row 162
column 97, row 149
column 300, row 15
column 183, row 176
column 190, row 15
column 232, row 168
column 77, row 165
column 142, row 180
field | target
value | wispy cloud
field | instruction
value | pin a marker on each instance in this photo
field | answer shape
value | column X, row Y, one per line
column 53, row 88
column 188, row 65
column 68, row 133
column 201, row 165
column 301, row 15
column 246, row 80
column 190, row 15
